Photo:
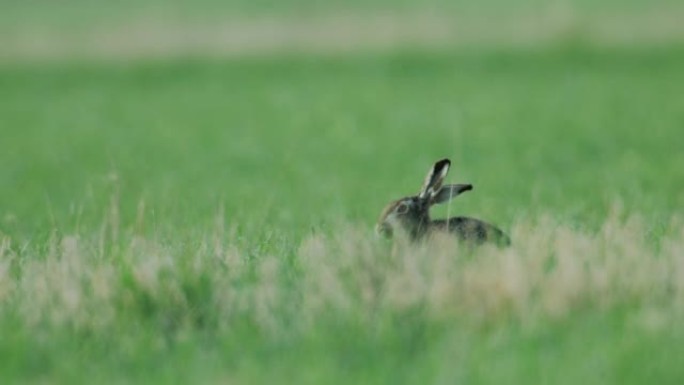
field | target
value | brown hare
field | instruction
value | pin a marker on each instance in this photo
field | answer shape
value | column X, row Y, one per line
column 412, row 214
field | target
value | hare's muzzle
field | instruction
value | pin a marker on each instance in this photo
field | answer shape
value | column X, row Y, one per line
column 383, row 229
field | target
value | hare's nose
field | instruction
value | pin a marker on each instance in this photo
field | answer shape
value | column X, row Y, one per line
column 383, row 230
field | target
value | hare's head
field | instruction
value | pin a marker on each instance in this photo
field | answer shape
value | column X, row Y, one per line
column 412, row 214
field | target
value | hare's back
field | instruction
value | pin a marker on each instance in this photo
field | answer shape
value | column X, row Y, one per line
column 471, row 229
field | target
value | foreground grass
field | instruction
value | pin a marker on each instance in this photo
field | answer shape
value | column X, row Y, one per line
column 559, row 306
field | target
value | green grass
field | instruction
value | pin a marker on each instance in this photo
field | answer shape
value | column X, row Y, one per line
column 88, row 13
column 304, row 141
column 175, row 221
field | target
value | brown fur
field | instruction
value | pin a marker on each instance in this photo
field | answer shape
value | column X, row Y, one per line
column 412, row 214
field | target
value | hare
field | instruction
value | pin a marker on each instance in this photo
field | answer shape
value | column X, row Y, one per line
column 412, row 214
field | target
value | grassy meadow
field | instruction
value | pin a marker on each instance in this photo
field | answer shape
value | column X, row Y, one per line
column 202, row 218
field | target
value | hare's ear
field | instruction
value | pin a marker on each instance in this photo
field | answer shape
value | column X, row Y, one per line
column 449, row 191
column 434, row 179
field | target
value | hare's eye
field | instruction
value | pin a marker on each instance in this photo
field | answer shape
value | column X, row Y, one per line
column 402, row 209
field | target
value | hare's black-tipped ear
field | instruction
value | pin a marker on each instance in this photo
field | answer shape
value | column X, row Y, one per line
column 434, row 178
column 449, row 191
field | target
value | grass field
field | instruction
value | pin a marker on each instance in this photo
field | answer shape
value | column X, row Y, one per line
column 208, row 219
